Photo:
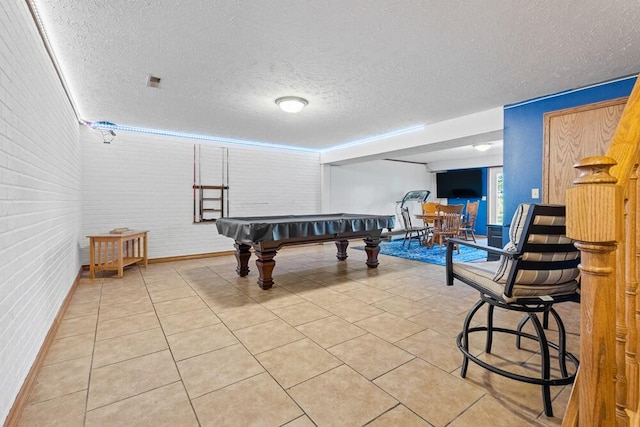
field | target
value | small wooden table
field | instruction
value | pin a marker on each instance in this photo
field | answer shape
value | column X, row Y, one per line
column 113, row 251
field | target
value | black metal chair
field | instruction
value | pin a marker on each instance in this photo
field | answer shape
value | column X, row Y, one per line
column 411, row 232
column 538, row 269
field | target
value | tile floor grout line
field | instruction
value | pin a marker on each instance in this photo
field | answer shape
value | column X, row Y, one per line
column 271, row 375
column 128, row 333
column 93, row 350
column 236, row 382
column 175, row 363
column 132, row 396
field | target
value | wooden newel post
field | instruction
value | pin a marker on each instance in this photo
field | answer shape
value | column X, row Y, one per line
column 595, row 221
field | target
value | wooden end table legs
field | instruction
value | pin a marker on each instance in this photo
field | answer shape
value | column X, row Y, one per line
column 92, row 259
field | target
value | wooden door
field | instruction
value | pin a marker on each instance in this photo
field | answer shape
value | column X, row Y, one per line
column 573, row 134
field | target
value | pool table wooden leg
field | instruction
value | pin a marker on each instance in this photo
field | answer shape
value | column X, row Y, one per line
column 342, row 249
column 265, row 264
column 242, row 256
column 372, row 248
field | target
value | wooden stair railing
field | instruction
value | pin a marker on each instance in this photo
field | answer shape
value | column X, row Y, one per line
column 602, row 216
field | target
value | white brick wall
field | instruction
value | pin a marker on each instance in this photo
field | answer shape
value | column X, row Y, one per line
column 39, row 197
column 269, row 182
column 145, row 182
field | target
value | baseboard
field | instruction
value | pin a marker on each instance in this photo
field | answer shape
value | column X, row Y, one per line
column 180, row 258
column 188, row 257
column 21, row 399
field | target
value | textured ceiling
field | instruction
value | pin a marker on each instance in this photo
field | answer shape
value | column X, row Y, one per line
column 366, row 67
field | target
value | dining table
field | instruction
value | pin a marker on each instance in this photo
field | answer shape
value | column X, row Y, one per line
column 430, row 222
column 429, row 218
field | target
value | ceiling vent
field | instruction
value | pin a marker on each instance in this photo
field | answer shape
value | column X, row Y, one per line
column 153, row 81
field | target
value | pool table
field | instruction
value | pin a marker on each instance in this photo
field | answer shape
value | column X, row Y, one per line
column 269, row 233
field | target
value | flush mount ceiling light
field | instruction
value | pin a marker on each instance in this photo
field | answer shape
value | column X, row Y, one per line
column 482, row 147
column 291, row 104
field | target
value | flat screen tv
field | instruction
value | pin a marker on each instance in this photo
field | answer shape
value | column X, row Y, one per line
column 459, row 184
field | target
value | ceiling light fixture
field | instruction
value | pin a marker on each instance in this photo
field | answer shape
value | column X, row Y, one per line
column 482, row 147
column 153, row 81
column 291, row 104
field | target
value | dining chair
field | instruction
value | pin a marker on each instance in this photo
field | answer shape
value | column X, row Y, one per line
column 411, row 232
column 468, row 226
column 428, row 214
column 429, row 208
column 447, row 224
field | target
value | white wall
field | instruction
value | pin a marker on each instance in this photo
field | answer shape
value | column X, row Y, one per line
column 39, row 197
column 479, row 161
column 145, row 182
column 374, row 187
column 484, row 126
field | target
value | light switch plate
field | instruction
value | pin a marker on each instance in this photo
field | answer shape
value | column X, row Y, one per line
column 535, row 193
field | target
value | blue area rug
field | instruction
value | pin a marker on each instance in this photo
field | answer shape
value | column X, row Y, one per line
column 431, row 255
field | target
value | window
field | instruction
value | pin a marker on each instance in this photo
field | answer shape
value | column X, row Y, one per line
column 496, row 196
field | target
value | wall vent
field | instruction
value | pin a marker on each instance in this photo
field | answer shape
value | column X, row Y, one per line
column 153, row 81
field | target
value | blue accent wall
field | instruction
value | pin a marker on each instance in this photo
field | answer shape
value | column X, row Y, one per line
column 481, row 219
column 523, row 138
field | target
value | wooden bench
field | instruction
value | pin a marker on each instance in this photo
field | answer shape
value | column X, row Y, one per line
column 114, row 251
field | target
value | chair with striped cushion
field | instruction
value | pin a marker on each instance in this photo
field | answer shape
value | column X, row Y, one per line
column 538, row 269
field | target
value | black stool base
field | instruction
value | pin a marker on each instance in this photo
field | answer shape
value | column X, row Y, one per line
column 544, row 380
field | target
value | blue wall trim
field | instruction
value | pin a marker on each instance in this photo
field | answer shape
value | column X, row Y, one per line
column 523, row 138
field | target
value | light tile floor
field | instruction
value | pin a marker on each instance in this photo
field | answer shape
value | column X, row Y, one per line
column 331, row 344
